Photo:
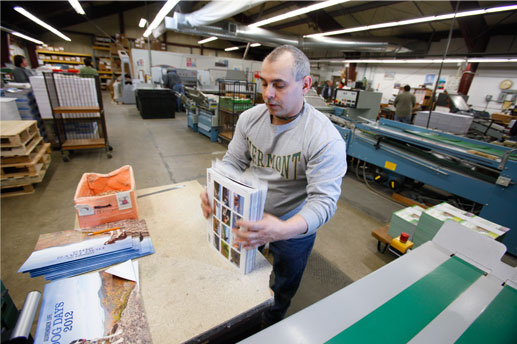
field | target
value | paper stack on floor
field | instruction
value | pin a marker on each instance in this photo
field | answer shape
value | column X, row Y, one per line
column 405, row 220
column 72, row 252
column 433, row 218
column 100, row 307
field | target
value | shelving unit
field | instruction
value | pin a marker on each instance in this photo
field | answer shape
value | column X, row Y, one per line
column 102, row 60
column 61, row 57
column 235, row 97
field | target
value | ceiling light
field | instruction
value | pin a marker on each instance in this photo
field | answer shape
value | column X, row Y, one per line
column 206, row 40
column 416, row 20
column 77, row 6
column 169, row 5
column 421, row 61
column 231, row 49
column 255, row 45
column 21, row 35
column 40, row 22
column 298, row 12
column 142, row 22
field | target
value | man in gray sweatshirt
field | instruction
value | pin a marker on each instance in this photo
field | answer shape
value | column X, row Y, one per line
column 302, row 156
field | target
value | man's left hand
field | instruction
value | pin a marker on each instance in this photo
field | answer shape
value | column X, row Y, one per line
column 269, row 229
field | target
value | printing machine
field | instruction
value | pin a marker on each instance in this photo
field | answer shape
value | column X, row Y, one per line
column 480, row 172
column 202, row 112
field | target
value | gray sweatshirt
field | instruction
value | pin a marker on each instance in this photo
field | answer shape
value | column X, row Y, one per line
column 303, row 162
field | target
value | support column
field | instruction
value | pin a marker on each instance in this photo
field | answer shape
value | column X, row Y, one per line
column 467, row 77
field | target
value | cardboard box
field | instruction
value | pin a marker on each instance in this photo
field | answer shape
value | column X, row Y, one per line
column 102, row 198
column 501, row 117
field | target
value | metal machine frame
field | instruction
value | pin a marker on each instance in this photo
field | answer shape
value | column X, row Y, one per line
column 370, row 142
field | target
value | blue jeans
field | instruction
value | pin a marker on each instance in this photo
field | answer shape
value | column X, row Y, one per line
column 289, row 261
column 180, row 89
column 403, row 119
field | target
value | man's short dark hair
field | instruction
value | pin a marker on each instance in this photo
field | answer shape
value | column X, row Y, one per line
column 302, row 66
column 88, row 62
column 407, row 88
column 18, row 60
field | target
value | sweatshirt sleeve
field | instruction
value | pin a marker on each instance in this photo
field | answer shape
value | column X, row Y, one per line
column 325, row 170
column 238, row 155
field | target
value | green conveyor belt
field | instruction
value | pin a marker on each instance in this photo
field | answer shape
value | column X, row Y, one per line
column 498, row 323
column 463, row 144
column 406, row 314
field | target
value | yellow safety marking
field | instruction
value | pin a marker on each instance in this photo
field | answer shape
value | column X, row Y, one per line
column 390, row 165
column 378, row 177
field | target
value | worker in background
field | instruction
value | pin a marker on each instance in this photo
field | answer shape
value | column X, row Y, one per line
column 328, row 91
column 301, row 155
column 404, row 104
column 173, row 81
column 20, row 73
column 88, row 69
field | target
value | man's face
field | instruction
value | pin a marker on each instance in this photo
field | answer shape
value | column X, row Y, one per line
column 282, row 93
column 24, row 63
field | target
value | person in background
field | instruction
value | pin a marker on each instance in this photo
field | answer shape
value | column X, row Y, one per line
column 340, row 84
column 404, row 104
column 328, row 91
column 302, row 156
column 173, row 81
column 20, row 73
column 88, row 68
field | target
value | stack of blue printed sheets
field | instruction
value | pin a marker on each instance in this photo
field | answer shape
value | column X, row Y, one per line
column 73, row 252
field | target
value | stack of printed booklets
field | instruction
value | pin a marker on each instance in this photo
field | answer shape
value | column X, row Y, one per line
column 72, row 252
column 433, row 218
column 405, row 220
column 99, row 307
column 233, row 196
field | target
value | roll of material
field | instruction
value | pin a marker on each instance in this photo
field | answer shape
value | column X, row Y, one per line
column 26, row 317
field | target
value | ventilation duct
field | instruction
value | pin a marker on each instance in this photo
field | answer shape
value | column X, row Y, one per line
column 242, row 33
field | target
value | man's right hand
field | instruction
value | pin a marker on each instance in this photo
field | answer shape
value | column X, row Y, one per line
column 205, row 205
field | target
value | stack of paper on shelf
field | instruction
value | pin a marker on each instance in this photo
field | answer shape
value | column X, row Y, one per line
column 233, row 197
column 41, row 95
column 433, row 218
column 72, row 252
column 405, row 220
column 100, row 307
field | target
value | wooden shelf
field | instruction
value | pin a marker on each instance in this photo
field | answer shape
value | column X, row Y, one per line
column 96, row 47
column 104, row 72
column 227, row 135
column 83, row 143
column 76, row 109
column 62, row 62
column 64, row 53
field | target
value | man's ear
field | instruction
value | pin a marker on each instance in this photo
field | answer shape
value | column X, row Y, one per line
column 307, row 83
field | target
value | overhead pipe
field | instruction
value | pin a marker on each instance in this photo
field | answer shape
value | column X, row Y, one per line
column 243, row 33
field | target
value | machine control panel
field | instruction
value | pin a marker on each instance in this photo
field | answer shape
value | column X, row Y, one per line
column 346, row 98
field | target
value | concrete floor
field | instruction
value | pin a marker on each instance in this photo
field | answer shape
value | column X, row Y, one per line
column 165, row 151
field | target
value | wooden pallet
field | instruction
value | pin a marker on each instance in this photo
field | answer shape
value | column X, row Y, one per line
column 21, row 181
column 17, row 133
column 35, row 147
column 27, row 169
column 17, row 191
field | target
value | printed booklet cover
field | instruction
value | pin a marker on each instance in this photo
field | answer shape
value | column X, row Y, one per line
column 98, row 307
column 72, row 252
column 233, row 196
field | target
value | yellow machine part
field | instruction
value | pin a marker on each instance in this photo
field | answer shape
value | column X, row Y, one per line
column 399, row 246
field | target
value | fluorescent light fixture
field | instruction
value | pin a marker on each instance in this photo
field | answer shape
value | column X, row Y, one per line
column 255, row 45
column 416, row 20
column 142, row 22
column 21, row 35
column 231, row 49
column 206, row 40
column 40, row 22
column 169, row 5
column 77, row 6
column 300, row 11
column 423, row 61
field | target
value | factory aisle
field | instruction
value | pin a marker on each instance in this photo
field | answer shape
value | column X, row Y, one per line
column 165, row 151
